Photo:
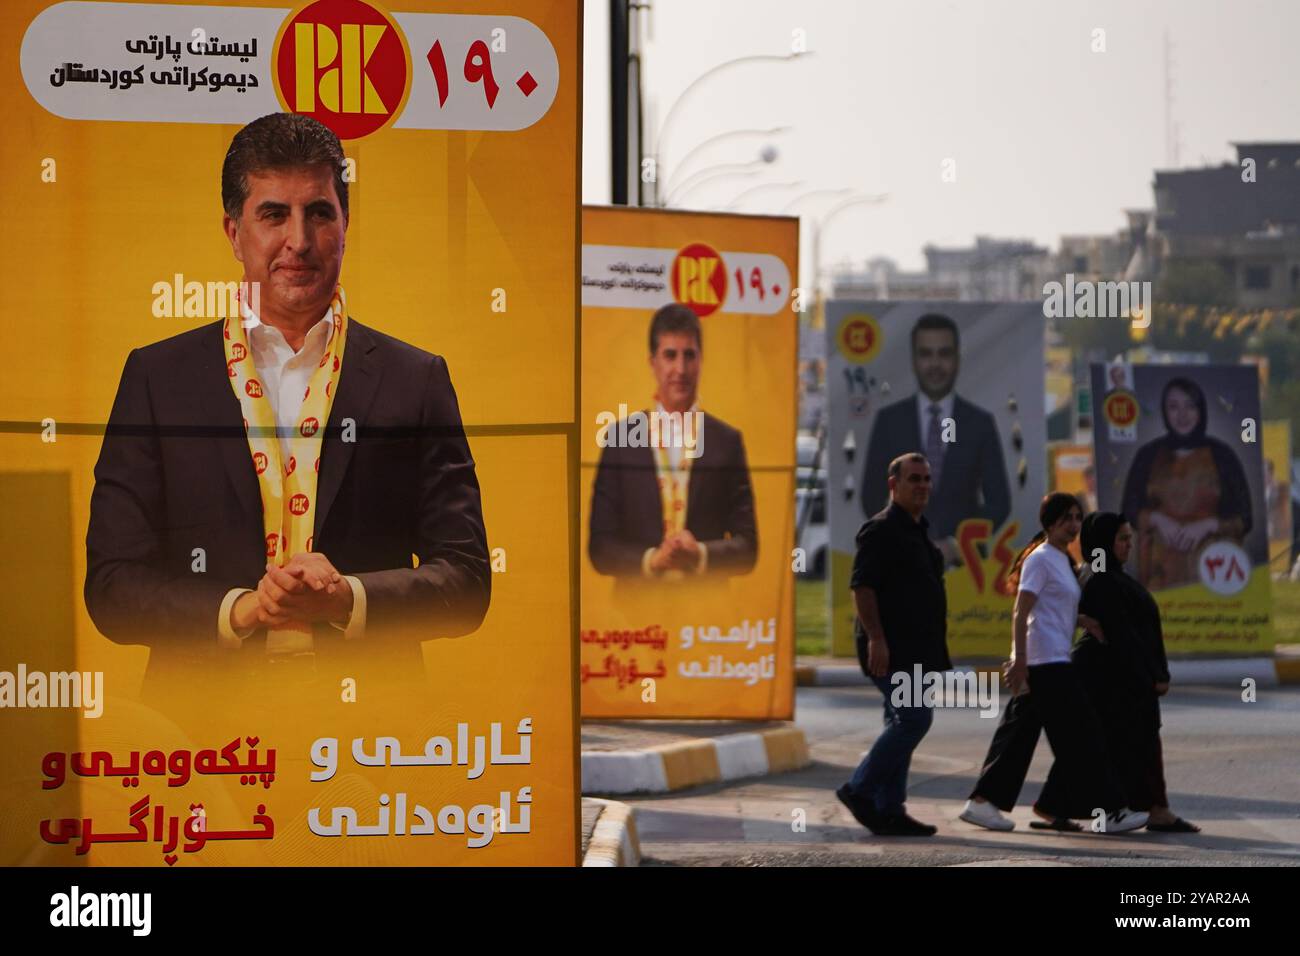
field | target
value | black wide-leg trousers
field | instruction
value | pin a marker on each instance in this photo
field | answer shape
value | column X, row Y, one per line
column 1082, row 777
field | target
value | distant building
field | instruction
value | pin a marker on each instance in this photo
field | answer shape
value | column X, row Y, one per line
column 992, row 270
column 1250, row 230
column 882, row 279
column 1124, row 255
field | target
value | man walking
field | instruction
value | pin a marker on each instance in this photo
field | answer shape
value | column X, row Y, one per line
column 901, row 623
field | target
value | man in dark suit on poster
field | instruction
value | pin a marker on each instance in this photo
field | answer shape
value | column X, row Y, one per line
column 228, row 529
column 686, row 507
column 969, row 473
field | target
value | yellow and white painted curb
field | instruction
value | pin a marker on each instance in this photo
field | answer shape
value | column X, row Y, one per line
column 614, row 841
column 690, row 763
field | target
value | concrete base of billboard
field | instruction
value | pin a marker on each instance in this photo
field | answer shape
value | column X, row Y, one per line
column 1283, row 668
column 610, row 839
column 692, row 762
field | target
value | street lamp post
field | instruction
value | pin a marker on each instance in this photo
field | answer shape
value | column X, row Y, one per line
column 794, row 184
column 824, row 221
column 766, row 156
column 694, row 84
column 719, row 172
column 817, row 227
column 789, row 207
column 699, row 147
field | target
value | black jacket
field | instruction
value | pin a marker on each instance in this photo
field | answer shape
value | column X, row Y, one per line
column 175, row 474
column 974, row 481
column 627, row 516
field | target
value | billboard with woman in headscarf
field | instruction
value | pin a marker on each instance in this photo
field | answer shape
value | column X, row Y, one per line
column 1178, row 451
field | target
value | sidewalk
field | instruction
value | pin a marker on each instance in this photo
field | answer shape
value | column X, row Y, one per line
column 1230, row 767
column 1282, row 668
column 639, row 756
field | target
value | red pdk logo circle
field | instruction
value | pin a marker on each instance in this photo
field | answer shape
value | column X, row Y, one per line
column 699, row 278
column 344, row 63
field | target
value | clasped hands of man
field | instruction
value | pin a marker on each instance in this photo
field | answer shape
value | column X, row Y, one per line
column 679, row 551
column 307, row 589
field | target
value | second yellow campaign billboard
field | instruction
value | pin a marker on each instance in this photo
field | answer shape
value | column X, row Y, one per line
column 292, row 569
column 689, row 345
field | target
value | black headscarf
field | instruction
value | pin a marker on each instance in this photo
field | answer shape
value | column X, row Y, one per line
column 1127, row 612
column 1196, row 437
column 1234, row 494
column 1099, row 531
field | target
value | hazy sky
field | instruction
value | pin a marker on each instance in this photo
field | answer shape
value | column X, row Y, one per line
column 1049, row 138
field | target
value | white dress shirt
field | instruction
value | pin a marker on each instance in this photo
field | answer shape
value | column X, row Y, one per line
column 285, row 375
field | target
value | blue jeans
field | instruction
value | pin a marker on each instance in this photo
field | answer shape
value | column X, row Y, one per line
column 881, row 778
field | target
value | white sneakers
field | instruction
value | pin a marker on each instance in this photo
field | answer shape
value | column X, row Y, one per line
column 988, row 816
column 991, row 818
column 1123, row 820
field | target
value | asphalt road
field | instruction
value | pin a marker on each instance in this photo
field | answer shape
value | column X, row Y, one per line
column 1231, row 767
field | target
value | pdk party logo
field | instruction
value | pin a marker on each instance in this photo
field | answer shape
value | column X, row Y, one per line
column 1121, row 408
column 699, row 278
column 344, row 63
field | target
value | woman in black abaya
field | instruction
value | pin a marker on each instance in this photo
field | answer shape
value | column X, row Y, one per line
column 1125, row 675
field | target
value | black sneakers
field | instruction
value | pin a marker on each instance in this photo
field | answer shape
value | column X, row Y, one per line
column 903, row 825
column 899, row 824
column 864, row 814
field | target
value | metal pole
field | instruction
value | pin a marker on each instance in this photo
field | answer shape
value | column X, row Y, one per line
column 635, row 122
column 618, row 100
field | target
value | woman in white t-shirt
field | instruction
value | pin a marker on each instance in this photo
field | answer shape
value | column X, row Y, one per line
column 1047, row 694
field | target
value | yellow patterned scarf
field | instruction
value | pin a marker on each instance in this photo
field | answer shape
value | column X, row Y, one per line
column 674, row 484
column 288, row 488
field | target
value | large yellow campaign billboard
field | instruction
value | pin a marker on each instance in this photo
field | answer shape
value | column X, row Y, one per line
column 689, row 349
column 287, row 469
